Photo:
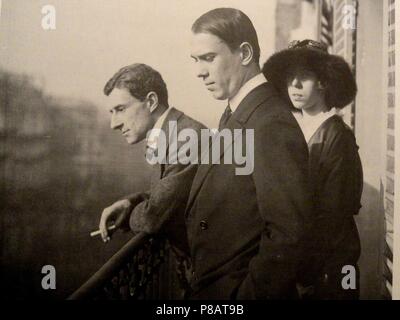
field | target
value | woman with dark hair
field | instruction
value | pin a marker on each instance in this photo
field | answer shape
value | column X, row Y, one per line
column 317, row 84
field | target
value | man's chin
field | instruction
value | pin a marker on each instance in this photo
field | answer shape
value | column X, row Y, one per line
column 131, row 140
column 218, row 95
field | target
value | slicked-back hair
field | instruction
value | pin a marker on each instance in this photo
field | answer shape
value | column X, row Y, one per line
column 232, row 26
column 139, row 79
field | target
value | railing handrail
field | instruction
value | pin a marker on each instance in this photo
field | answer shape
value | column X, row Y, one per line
column 110, row 267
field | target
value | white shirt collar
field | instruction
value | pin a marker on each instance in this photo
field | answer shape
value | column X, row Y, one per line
column 152, row 136
column 245, row 90
column 309, row 125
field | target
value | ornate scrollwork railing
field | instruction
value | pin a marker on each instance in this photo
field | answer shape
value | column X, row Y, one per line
column 144, row 268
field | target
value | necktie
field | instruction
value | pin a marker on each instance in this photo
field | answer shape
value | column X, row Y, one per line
column 225, row 117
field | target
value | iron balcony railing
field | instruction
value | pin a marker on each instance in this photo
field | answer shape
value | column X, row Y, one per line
column 144, row 268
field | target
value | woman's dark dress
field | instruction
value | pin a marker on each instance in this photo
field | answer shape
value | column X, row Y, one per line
column 337, row 180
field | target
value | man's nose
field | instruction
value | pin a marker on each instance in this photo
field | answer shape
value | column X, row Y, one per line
column 115, row 122
column 202, row 71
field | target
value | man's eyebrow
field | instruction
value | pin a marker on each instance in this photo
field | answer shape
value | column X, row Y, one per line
column 202, row 56
column 116, row 107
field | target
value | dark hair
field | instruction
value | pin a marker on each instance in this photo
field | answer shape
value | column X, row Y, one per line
column 139, row 79
column 333, row 72
column 230, row 25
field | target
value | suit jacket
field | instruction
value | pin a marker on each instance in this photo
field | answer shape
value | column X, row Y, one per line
column 161, row 209
column 246, row 231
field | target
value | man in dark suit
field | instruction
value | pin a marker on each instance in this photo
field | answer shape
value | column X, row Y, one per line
column 246, row 231
column 138, row 100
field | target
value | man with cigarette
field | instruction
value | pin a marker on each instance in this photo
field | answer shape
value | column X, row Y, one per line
column 138, row 100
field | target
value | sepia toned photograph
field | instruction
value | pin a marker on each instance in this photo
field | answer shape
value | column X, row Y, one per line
column 199, row 151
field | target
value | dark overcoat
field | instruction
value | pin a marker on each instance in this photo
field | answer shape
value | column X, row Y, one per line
column 333, row 242
column 246, row 231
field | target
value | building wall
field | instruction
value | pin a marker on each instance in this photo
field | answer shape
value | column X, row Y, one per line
column 308, row 23
column 389, row 65
column 345, row 45
column 369, row 130
column 370, row 50
column 287, row 19
column 396, row 214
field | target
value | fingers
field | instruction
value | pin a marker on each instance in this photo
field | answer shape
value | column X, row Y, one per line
column 103, row 224
column 117, row 210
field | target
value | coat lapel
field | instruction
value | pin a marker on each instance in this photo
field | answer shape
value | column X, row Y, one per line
column 237, row 121
column 173, row 115
column 204, row 169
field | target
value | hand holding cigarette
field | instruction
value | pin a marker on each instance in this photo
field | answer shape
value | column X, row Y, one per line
column 98, row 232
column 118, row 212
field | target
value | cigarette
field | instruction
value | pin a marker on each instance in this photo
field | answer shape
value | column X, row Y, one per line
column 97, row 232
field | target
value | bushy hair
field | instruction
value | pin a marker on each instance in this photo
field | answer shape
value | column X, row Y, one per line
column 139, row 79
column 230, row 25
column 331, row 70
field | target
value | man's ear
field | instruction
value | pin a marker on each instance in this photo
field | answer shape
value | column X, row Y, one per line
column 152, row 101
column 246, row 52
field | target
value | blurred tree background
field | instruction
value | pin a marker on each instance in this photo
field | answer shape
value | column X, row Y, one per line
column 60, row 166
